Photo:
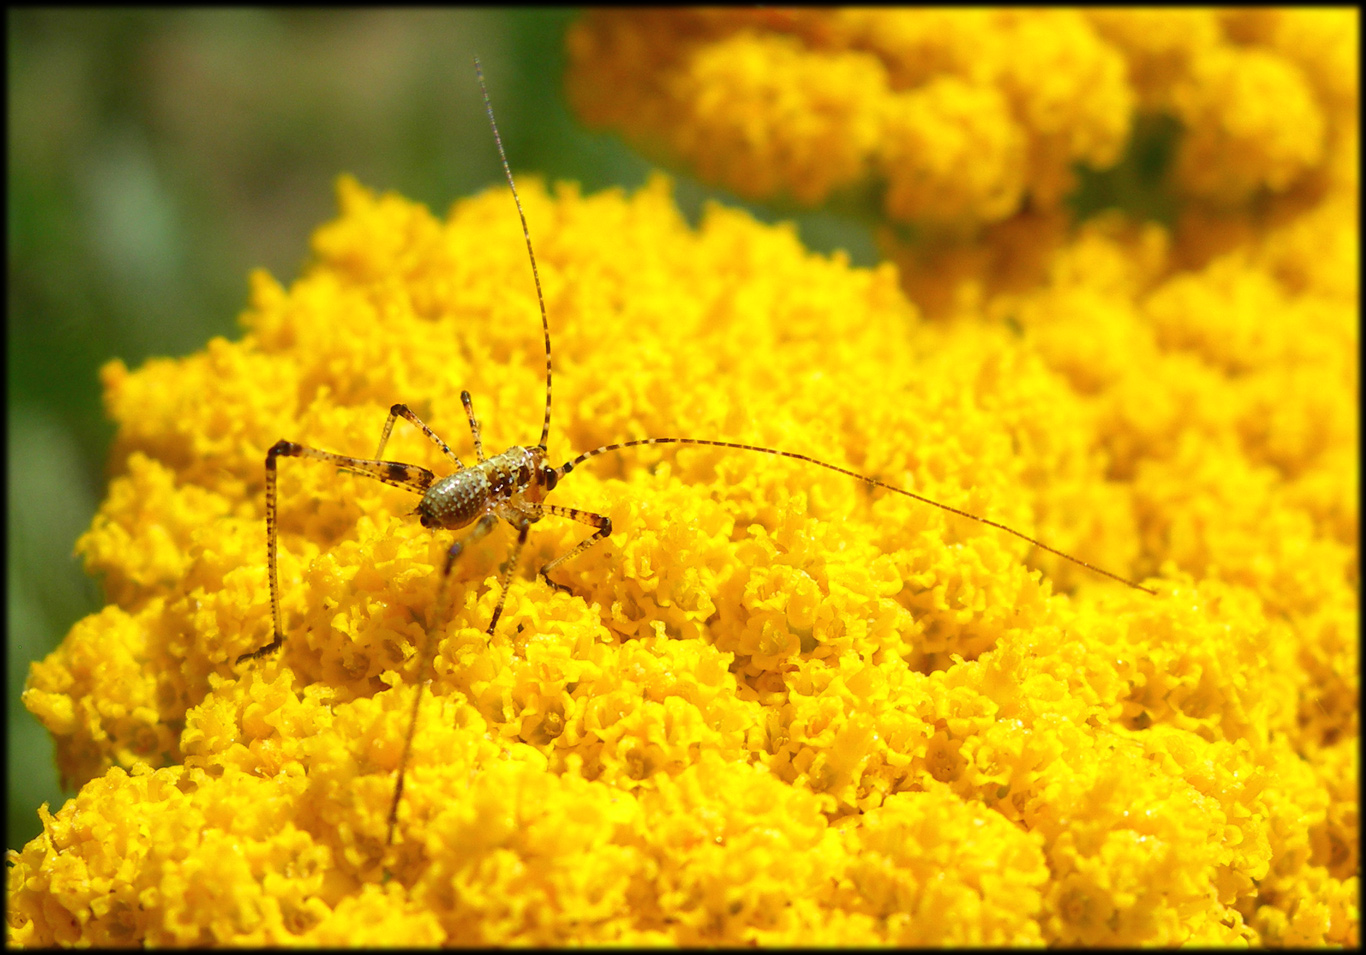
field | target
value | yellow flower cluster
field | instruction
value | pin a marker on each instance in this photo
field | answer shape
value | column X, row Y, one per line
column 965, row 117
column 777, row 706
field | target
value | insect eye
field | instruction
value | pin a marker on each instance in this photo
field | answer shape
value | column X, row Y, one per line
column 549, row 478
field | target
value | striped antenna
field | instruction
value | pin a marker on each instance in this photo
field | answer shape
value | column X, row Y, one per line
column 575, row 462
column 540, row 298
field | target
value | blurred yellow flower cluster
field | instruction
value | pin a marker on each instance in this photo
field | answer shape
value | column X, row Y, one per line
column 777, row 707
column 968, row 116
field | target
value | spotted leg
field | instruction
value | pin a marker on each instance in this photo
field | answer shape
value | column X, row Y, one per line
column 474, row 425
column 425, row 660
column 604, row 529
column 507, row 574
column 410, row 477
column 402, row 411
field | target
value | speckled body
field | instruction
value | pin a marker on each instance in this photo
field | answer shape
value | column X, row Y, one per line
column 510, row 485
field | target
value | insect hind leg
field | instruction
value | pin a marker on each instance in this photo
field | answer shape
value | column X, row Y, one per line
column 425, row 661
column 407, row 476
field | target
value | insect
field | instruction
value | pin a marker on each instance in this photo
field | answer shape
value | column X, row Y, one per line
column 511, row 486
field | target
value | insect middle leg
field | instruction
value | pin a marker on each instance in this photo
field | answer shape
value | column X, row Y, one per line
column 474, row 425
column 600, row 521
column 511, row 565
column 402, row 411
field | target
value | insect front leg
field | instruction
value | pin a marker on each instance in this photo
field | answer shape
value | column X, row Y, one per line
column 600, row 521
column 407, row 476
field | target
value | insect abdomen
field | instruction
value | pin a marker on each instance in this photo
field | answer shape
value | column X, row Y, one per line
column 456, row 500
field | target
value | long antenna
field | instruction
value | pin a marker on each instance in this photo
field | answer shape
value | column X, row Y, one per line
column 540, row 299
column 570, row 465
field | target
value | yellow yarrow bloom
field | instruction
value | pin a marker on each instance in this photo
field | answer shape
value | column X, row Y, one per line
column 961, row 113
column 967, row 117
column 776, row 707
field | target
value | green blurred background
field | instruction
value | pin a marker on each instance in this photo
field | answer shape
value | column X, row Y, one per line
column 157, row 157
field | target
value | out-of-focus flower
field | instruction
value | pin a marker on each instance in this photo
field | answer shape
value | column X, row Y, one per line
column 967, row 117
column 962, row 113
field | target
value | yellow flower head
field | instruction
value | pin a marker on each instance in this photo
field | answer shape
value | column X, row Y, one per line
column 960, row 113
column 968, row 117
column 777, row 705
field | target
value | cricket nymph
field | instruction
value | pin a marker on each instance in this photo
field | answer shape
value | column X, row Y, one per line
column 510, row 485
